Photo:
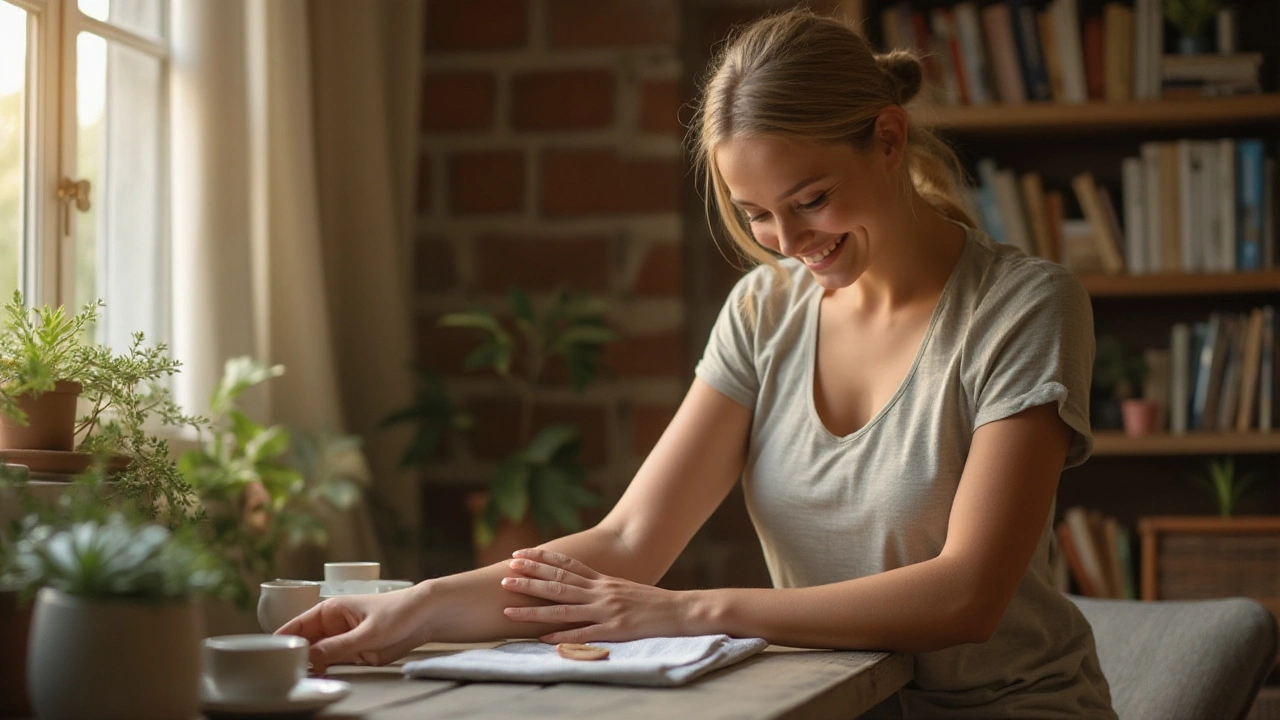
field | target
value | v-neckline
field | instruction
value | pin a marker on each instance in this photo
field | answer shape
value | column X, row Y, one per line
column 811, row 352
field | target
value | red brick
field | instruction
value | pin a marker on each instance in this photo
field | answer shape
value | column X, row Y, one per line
column 662, row 273
column 494, row 435
column 567, row 100
column 444, row 349
column 648, row 422
column 488, row 182
column 436, row 266
column 718, row 21
column 458, row 101
column 659, row 355
column 660, row 107
column 595, row 182
column 454, row 25
column 601, row 23
column 539, row 264
column 424, row 183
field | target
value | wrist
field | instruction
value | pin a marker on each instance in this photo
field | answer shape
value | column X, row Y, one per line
column 706, row 612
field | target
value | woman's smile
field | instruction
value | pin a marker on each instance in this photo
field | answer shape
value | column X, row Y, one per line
column 824, row 257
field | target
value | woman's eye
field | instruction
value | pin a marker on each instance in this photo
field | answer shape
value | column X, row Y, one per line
column 757, row 218
column 815, row 203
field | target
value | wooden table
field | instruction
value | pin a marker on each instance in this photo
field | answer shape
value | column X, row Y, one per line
column 779, row 683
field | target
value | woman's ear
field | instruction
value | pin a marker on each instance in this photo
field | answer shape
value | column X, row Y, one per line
column 891, row 135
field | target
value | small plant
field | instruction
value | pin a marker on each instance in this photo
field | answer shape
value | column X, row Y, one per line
column 1223, row 484
column 432, row 414
column 262, row 486
column 124, row 393
column 543, row 478
column 1191, row 17
column 1116, row 374
column 86, row 546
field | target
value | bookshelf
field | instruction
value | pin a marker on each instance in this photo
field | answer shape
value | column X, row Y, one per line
column 1112, row 443
column 1182, row 284
column 1112, row 118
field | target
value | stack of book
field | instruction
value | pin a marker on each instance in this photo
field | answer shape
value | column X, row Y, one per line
column 1220, row 373
column 1187, row 206
column 1209, row 75
column 1095, row 551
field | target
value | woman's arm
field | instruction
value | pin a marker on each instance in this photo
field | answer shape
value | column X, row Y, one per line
column 687, row 475
column 1001, row 506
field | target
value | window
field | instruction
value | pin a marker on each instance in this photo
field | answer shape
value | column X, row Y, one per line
column 84, row 158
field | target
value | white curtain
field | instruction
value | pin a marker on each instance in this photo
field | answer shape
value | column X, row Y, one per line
column 292, row 176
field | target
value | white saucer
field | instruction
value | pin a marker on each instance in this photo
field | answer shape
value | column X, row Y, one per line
column 310, row 694
column 361, row 587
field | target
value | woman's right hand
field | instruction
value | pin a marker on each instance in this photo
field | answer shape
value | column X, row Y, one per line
column 366, row 629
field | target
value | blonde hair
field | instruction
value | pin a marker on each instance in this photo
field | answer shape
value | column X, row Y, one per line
column 799, row 75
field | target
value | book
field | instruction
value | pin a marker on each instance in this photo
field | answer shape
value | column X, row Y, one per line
column 1117, row 29
column 1094, row 58
column 1204, row 364
column 1151, row 206
column 1226, row 205
column 1250, row 202
column 1026, row 40
column 1072, row 555
column 1066, row 33
column 1037, row 218
column 988, row 207
column 977, row 75
column 1052, row 61
column 1169, row 200
column 946, row 49
column 1012, row 215
column 1266, row 369
column 997, row 25
column 1249, row 372
column 1094, row 211
column 1136, row 249
column 1179, row 377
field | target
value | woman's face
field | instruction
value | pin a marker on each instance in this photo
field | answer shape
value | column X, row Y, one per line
column 817, row 202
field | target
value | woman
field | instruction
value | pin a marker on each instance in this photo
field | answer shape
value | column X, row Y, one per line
column 899, row 395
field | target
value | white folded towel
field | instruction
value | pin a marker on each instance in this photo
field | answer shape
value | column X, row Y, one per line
column 663, row 662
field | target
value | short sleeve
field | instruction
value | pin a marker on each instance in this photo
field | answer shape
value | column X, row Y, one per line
column 728, row 362
column 1035, row 345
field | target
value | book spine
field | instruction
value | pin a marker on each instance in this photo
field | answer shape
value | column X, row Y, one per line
column 1266, row 378
column 997, row 23
column 968, row 29
column 1026, row 37
column 1136, row 247
column 1179, row 376
column 1249, row 203
column 1226, row 210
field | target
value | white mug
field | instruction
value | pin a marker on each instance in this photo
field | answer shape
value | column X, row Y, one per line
column 339, row 572
column 248, row 668
column 284, row 600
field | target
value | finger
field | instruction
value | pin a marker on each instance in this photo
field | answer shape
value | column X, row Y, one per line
column 560, row 560
column 547, row 590
column 554, row 614
column 337, row 649
column 585, row 634
column 542, row 571
column 309, row 625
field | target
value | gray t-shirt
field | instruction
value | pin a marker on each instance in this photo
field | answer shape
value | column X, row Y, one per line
column 1009, row 333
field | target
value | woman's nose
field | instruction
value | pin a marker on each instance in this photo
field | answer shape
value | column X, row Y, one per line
column 791, row 237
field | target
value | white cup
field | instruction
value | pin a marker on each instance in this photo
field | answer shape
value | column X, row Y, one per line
column 247, row 668
column 284, row 600
column 340, row 572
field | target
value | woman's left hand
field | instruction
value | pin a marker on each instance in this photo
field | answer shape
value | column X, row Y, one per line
column 605, row 608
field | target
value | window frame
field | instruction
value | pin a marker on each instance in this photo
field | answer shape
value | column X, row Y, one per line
column 51, row 125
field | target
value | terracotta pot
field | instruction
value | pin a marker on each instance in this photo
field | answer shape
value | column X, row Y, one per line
column 1139, row 417
column 508, row 538
column 15, row 628
column 51, row 420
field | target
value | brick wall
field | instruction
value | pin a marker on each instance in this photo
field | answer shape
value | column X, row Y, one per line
column 551, row 156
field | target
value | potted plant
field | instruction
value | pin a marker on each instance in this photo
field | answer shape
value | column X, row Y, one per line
column 264, row 488
column 1117, row 390
column 540, row 486
column 47, row 360
column 1224, row 486
column 116, row 614
column 1191, row 19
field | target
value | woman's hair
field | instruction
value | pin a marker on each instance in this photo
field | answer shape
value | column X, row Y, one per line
column 799, row 75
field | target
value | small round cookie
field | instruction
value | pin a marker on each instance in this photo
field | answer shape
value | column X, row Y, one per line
column 574, row 651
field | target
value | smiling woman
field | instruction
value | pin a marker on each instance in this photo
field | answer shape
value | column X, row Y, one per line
column 897, row 393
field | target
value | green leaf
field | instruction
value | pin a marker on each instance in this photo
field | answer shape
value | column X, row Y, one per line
column 476, row 320
column 243, row 429
column 238, row 375
column 522, row 306
column 340, row 493
column 510, row 489
column 547, row 443
column 584, row 335
column 269, row 443
column 490, row 354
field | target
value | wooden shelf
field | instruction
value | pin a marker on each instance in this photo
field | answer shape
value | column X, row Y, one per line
column 1176, row 284
column 1056, row 118
column 1116, row 443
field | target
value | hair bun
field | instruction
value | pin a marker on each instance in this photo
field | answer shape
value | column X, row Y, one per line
column 905, row 73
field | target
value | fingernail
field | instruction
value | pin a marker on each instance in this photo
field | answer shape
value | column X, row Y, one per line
column 517, row 553
column 517, row 563
column 508, row 581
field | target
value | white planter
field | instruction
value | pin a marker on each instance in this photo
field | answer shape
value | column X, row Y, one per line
column 114, row 659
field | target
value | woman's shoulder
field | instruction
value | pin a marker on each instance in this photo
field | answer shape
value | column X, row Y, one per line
column 768, row 292
column 1002, row 278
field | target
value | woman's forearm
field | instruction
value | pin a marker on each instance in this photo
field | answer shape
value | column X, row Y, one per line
column 917, row 608
column 467, row 607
